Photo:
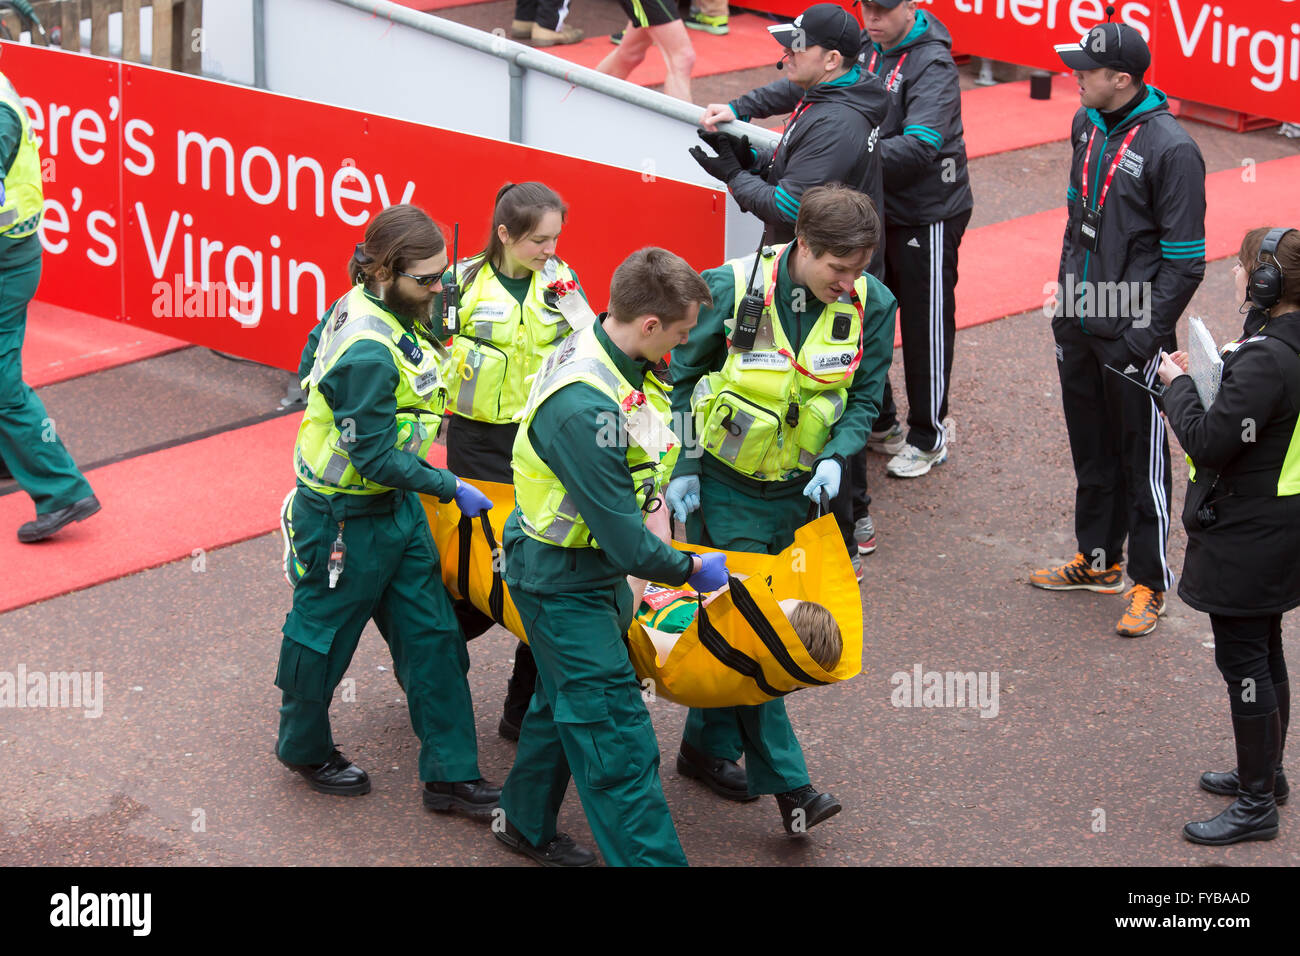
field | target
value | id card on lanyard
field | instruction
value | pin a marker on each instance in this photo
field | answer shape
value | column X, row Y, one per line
column 1090, row 221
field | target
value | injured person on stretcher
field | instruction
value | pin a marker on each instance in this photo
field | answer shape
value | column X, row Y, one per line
column 666, row 612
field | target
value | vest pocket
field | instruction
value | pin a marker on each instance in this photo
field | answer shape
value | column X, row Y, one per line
column 480, row 372
column 816, row 416
column 744, row 435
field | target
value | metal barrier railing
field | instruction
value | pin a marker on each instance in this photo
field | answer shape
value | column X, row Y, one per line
column 520, row 58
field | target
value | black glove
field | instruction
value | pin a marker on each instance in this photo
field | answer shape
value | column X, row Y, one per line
column 739, row 146
column 724, row 166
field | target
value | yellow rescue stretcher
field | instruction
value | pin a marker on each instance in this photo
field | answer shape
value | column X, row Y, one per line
column 740, row 649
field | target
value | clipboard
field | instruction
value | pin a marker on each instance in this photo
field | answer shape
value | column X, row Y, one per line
column 1157, row 392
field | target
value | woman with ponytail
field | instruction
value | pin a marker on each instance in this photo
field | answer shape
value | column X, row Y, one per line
column 507, row 323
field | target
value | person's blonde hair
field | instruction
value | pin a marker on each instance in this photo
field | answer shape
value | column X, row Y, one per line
column 819, row 632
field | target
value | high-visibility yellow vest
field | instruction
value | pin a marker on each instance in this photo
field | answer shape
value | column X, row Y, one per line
column 768, row 413
column 321, row 451
column 547, row 512
column 500, row 344
column 22, row 200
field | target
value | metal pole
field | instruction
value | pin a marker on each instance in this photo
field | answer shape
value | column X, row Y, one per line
column 259, row 44
column 516, row 102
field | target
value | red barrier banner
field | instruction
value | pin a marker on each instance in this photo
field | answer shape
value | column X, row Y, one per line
column 225, row 216
column 1243, row 56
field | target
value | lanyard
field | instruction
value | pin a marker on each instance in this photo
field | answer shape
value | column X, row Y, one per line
column 857, row 359
column 889, row 83
column 798, row 111
column 1087, row 158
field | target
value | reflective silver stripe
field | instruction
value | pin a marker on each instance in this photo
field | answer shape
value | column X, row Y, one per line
column 465, row 391
column 8, row 217
column 566, row 517
column 574, row 369
column 729, row 450
column 333, row 473
column 703, row 389
column 350, row 330
column 806, row 458
column 483, row 330
column 550, row 271
column 838, row 402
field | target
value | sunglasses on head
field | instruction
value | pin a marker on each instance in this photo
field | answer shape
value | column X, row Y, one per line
column 424, row 281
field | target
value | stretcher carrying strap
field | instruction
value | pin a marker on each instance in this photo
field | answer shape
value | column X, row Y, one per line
column 749, row 610
column 717, row 645
column 497, row 594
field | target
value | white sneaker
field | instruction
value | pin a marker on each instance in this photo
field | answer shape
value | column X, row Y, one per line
column 911, row 462
column 888, row 442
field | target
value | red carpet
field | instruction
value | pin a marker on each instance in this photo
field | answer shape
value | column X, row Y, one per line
column 1003, row 117
column 63, row 344
column 747, row 45
column 1004, row 267
column 158, row 508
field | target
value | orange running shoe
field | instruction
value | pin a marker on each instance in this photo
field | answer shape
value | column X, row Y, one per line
column 1078, row 575
column 1144, row 610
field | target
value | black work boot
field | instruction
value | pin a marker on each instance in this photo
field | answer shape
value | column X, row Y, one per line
column 560, row 850
column 804, row 808
column 519, row 692
column 338, row 775
column 1253, row 815
column 1226, row 783
column 474, row 798
column 47, row 524
column 726, row 778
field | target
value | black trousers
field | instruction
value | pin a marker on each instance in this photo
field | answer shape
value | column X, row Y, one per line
column 1248, row 653
column 852, row 503
column 549, row 14
column 1121, row 455
column 921, row 271
column 481, row 452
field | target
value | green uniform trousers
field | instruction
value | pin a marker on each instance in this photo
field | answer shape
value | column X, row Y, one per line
column 587, row 718
column 391, row 574
column 734, row 519
column 29, row 443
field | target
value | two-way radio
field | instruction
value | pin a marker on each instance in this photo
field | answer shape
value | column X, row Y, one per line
column 451, row 290
column 750, row 310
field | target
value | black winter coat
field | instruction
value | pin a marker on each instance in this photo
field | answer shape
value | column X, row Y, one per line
column 1247, row 562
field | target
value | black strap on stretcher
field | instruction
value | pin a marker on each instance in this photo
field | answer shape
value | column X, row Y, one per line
column 497, row 595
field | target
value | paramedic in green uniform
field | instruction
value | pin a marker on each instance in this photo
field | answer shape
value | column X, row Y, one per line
column 592, row 453
column 507, row 322
column 359, row 545
column 29, row 447
column 776, row 417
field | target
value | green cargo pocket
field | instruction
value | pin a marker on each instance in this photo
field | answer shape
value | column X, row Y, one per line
column 585, row 715
column 304, row 658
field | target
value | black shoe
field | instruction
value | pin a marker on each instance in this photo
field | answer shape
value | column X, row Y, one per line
column 474, row 798
column 338, row 775
column 559, row 851
column 804, row 808
column 508, row 728
column 1253, row 815
column 1227, row 784
column 48, row 524
column 726, row 778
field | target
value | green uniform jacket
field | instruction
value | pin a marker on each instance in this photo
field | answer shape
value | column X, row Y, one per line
column 362, row 386
column 706, row 351
column 564, row 433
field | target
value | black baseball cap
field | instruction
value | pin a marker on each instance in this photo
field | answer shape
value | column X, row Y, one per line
column 825, row 25
column 888, row 4
column 1112, row 46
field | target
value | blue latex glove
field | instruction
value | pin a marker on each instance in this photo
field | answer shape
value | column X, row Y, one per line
column 826, row 476
column 470, row 500
column 712, row 573
column 683, row 495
